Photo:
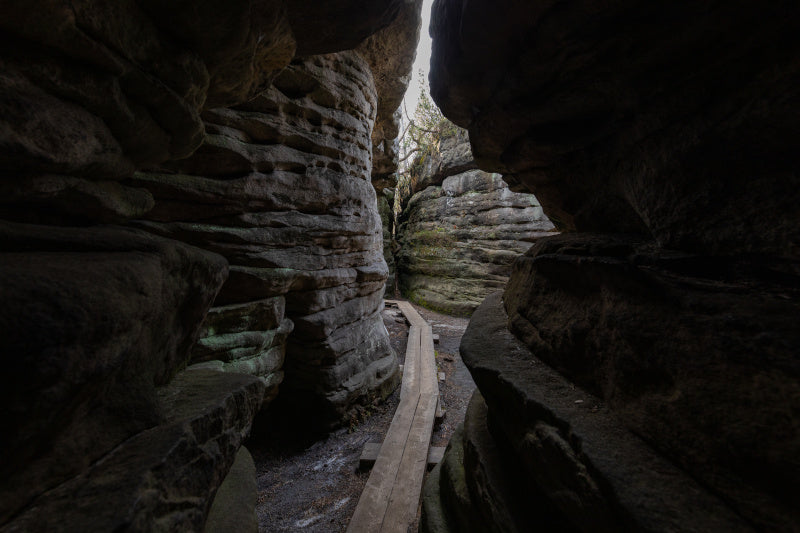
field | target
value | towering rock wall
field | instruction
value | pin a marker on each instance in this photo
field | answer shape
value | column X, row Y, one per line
column 461, row 232
column 640, row 372
column 281, row 188
column 297, row 220
column 102, row 428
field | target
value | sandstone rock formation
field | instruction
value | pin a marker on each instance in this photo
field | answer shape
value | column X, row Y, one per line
column 298, row 222
column 662, row 331
column 459, row 235
column 103, row 90
column 102, row 429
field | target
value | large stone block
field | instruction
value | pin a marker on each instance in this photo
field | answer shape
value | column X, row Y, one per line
column 95, row 319
column 163, row 478
column 665, row 133
column 696, row 354
column 583, row 463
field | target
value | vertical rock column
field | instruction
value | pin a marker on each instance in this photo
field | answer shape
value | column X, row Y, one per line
column 281, row 188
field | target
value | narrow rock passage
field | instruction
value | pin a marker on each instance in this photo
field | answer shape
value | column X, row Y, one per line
column 315, row 488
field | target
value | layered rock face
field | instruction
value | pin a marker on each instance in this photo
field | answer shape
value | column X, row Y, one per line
column 103, row 430
column 460, row 234
column 648, row 360
column 297, row 220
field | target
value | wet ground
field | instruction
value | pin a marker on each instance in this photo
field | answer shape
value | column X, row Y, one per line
column 316, row 488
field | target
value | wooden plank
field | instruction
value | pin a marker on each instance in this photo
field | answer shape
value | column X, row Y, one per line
column 390, row 499
column 369, row 455
column 371, row 450
column 372, row 504
column 412, row 315
column 404, row 500
column 411, row 364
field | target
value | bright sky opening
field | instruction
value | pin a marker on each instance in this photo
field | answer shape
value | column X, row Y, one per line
column 422, row 61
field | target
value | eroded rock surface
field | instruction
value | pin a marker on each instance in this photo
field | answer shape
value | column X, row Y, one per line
column 460, row 233
column 725, row 374
column 82, row 357
column 282, row 189
column 99, row 320
column 207, row 416
column 390, row 246
column 661, row 120
column 541, row 451
column 91, row 92
column 660, row 138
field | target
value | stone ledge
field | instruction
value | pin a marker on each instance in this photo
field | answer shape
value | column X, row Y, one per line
column 163, row 478
column 591, row 468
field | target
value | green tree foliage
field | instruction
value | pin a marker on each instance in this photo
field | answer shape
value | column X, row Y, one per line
column 419, row 140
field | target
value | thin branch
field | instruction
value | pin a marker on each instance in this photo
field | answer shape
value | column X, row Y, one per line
column 432, row 132
column 417, row 149
column 402, row 136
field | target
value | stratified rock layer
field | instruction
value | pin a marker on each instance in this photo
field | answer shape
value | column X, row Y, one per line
column 459, row 236
column 91, row 92
column 541, row 451
column 662, row 132
column 96, row 435
column 282, row 189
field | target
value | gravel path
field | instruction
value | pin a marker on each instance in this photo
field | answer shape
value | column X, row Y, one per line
column 316, row 488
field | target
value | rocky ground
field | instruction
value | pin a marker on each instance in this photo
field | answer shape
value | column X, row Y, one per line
column 316, row 488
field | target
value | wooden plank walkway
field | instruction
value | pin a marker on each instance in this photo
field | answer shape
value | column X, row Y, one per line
column 390, row 498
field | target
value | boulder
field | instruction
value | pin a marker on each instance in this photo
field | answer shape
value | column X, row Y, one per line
column 96, row 319
column 449, row 156
column 164, row 477
column 542, row 451
column 715, row 395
